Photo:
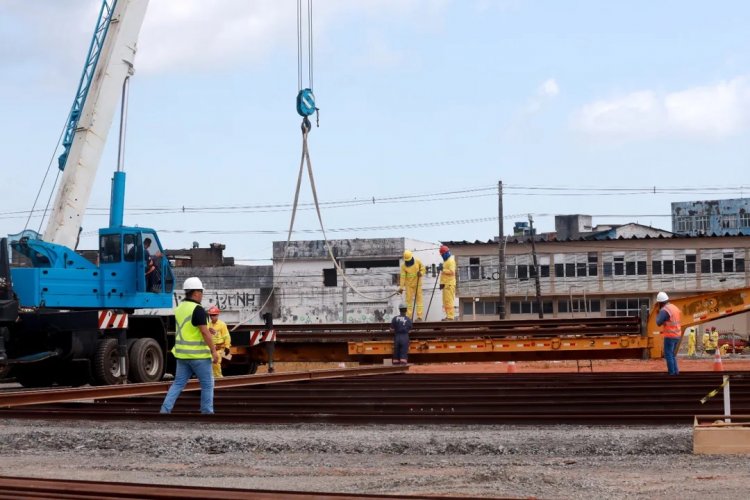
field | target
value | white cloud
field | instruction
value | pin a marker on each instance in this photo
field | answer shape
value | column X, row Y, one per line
column 548, row 90
column 196, row 35
column 711, row 111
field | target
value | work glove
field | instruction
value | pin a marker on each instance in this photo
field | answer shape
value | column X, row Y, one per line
column 440, row 268
column 400, row 291
column 442, row 286
column 226, row 350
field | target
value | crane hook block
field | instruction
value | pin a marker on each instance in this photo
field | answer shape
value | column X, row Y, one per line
column 306, row 103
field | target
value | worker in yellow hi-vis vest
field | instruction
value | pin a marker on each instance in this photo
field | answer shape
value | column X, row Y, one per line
column 691, row 341
column 220, row 336
column 412, row 271
column 706, row 341
column 448, row 282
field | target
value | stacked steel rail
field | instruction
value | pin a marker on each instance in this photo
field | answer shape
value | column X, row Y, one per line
column 16, row 488
column 560, row 398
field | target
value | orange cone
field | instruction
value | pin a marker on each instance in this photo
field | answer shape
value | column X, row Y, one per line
column 511, row 367
column 718, row 367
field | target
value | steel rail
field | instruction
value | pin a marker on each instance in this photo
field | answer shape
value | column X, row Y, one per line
column 23, row 398
column 643, row 398
column 457, row 329
column 13, row 487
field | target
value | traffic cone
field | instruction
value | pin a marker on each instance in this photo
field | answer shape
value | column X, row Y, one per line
column 718, row 367
column 511, row 367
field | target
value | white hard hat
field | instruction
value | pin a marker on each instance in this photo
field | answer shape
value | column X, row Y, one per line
column 192, row 284
column 662, row 297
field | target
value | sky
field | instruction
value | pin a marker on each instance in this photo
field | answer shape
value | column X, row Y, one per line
column 613, row 109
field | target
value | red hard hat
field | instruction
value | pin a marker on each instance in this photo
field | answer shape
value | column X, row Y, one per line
column 443, row 249
column 213, row 310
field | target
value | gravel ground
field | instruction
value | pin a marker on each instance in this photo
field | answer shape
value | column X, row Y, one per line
column 506, row 461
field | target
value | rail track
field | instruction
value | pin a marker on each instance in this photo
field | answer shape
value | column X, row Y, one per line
column 561, row 398
column 17, row 488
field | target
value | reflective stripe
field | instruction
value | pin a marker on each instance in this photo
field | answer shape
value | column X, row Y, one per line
column 672, row 327
column 411, row 273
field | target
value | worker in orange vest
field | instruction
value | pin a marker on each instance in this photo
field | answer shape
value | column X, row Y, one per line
column 669, row 318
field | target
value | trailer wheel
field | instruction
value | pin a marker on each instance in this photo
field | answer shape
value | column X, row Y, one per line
column 146, row 361
column 106, row 366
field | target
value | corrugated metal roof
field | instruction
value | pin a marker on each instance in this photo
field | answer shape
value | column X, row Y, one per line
column 544, row 238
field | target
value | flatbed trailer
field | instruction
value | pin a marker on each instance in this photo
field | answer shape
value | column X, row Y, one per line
column 633, row 337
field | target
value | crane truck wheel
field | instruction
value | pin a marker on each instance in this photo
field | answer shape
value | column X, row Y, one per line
column 146, row 361
column 106, row 364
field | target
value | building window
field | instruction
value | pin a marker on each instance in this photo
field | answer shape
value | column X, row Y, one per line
column 673, row 262
column 632, row 263
column 701, row 223
column 480, row 307
column 473, row 268
column 625, row 307
column 575, row 265
column 723, row 261
column 529, row 307
column 729, row 221
column 690, row 263
column 744, row 219
column 330, row 278
column 578, row 306
column 682, row 224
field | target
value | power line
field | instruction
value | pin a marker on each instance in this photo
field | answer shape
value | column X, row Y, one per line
column 476, row 192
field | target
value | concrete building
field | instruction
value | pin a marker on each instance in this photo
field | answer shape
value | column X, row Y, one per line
column 241, row 292
column 577, row 226
column 598, row 277
column 310, row 289
column 714, row 217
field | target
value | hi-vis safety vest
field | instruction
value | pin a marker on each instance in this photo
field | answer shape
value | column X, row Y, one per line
column 671, row 327
column 189, row 343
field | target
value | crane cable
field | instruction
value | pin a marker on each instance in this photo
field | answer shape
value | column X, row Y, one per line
column 306, row 156
column 305, row 108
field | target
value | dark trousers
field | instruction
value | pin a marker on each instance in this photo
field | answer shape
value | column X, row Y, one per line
column 401, row 346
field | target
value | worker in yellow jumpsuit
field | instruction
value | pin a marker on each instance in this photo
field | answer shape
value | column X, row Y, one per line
column 220, row 336
column 691, row 341
column 706, row 341
column 714, row 338
column 448, row 282
column 412, row 271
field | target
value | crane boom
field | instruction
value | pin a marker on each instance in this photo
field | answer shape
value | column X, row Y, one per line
column 109, row 62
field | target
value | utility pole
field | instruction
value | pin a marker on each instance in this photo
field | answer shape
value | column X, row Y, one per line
column 500, row 252
column 536, row 269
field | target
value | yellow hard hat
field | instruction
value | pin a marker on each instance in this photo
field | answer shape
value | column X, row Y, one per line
column 408, row 255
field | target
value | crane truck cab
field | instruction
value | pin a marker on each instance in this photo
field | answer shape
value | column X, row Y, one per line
column 61, row 278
